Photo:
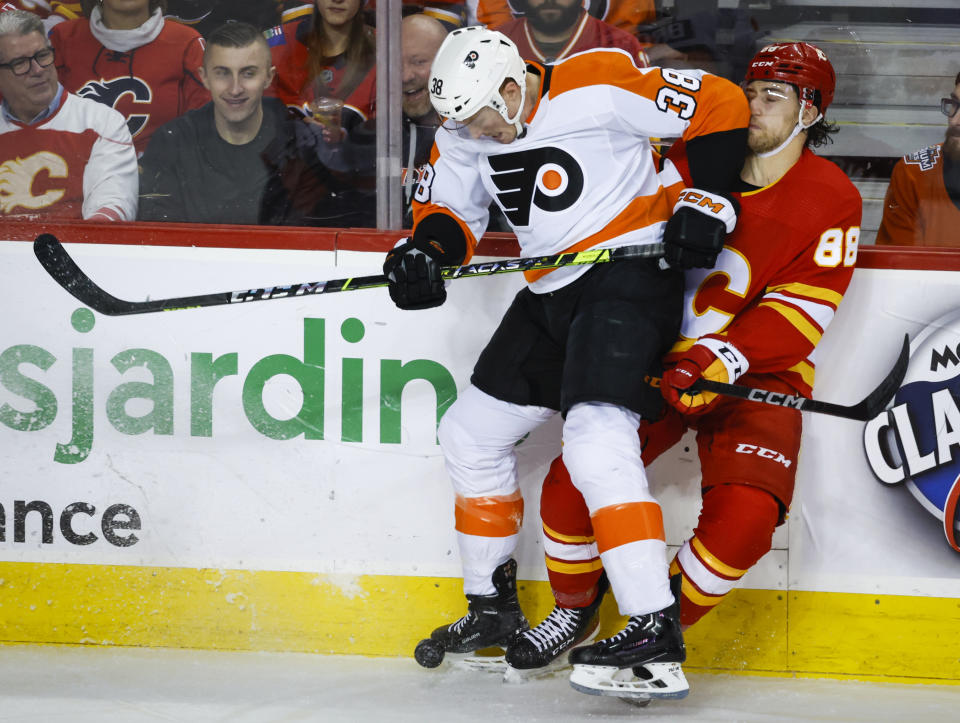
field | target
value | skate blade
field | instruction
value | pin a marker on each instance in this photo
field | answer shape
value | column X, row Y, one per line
column 522, row 675
column 557, row 665
column 666, row 681
column 486, row 660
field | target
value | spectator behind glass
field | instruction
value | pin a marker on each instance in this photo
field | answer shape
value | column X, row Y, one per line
column 922, row 205
column 61, row 156
column 205, row 16
column 420, row 38
column 332, row 53
column 624, row 14
column 553, row 29
column 240, row 159
column 128, row 57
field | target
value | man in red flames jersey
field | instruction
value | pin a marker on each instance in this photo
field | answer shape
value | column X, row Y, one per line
column 757, row 316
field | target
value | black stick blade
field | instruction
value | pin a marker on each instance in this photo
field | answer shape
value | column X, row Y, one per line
column 57, row 262
column 880, row 397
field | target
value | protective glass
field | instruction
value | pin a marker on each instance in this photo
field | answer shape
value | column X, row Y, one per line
column 949, row 106
column 472, row 127
column 21, row 66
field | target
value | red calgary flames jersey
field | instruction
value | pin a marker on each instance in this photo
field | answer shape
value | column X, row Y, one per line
column 292, row 83
column 782, row 273
column 149, row 85
column 917, row 209
column 78, row 163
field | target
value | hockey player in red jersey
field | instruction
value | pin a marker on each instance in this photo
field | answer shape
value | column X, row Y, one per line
column 757, row 316
column 564, row 150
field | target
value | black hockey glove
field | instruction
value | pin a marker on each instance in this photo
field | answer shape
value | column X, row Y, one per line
column 413, row 270
column 694, row 235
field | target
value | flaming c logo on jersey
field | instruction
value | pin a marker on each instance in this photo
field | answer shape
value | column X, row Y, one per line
column 16, row 181
column 109, row 92
column 548, row 178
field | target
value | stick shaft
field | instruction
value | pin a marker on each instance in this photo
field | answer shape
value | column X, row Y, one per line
column 64, row 270
column 872, row 405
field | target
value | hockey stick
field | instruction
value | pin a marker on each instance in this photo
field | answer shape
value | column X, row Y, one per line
column 64, row 270
column 874, row 403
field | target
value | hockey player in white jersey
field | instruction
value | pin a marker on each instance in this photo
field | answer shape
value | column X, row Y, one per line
column 565, row 153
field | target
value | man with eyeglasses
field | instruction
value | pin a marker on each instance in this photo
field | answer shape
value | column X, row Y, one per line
column 922, row 205
column 61, row 156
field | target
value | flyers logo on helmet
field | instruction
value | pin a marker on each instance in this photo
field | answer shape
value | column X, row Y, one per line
column 549, row 178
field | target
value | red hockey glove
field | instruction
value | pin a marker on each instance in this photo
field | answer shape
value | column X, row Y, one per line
column 709, row 358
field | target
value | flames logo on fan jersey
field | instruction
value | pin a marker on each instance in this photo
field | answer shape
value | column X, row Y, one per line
column 16, row 181
column 548, row 178
column 109, row 92
column 916, row 442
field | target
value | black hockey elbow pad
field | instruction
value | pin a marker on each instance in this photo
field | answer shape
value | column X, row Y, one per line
column 694, row 234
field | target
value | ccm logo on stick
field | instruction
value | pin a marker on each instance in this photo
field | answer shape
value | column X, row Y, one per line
column 763, row 452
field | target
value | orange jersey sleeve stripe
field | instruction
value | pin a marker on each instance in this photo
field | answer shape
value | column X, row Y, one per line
column 424, row 209
column 428, row 208
column 726, row 104
column 495, row 516
column 640, row 212
column 622, row 524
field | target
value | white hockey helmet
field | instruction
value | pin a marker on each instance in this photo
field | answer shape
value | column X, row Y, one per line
column 469, row 69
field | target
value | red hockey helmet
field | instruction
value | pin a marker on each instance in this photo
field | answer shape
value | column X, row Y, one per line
column 800, row 64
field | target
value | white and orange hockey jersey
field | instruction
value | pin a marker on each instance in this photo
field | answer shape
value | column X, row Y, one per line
column 78, row 163
column 583, row 174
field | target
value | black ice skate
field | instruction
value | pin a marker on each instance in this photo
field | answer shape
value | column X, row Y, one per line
column 491, row 621
column 542, row 648
column 641, row 662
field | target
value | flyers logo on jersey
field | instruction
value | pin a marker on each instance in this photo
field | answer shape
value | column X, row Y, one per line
column 16, row 181
column 548, row 178
column 109, row 92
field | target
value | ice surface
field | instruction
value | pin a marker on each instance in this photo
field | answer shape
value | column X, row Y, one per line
column 95, row 684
